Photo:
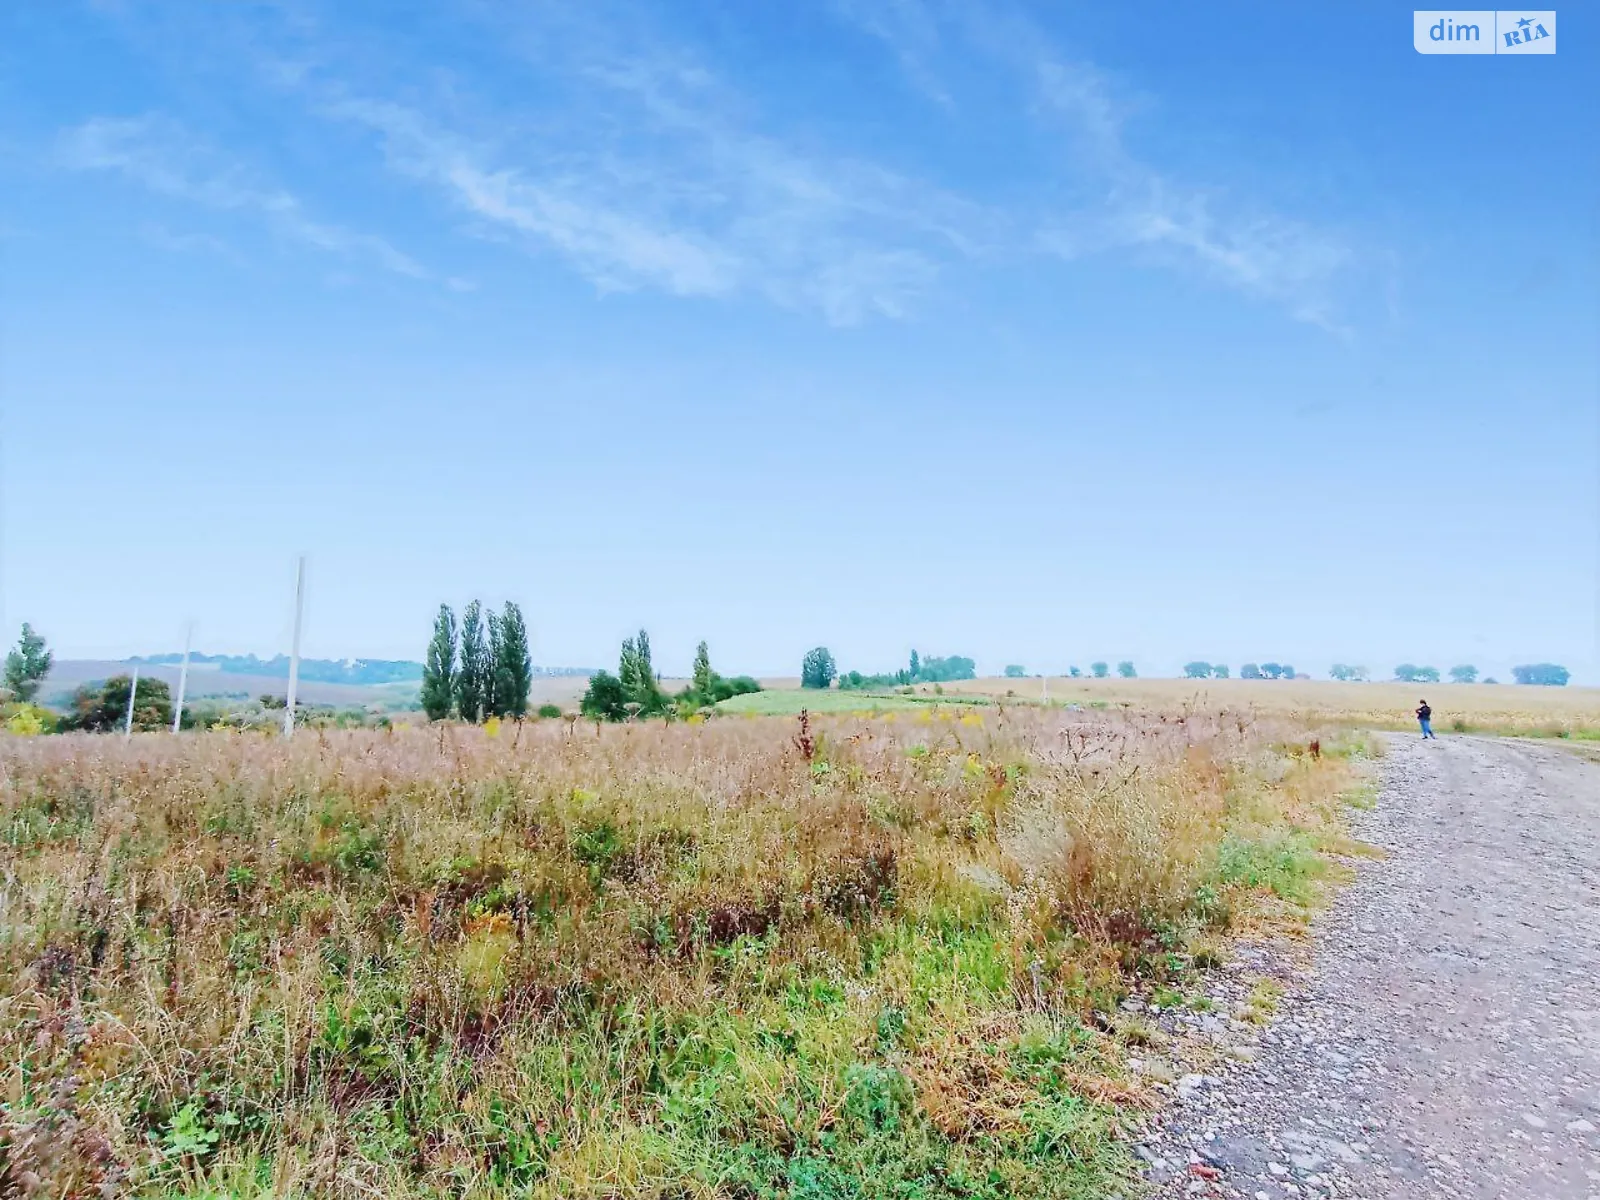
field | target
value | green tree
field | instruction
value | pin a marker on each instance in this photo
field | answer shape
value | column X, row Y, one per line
column 1125, row 669
column 637, row 672
column 942, row 670
column 1074, row 673
column 27, row 665
column 817, row 670
column 1219, row 671
column 916, row 668
column 104, row 709
column 439, row 671
column 472, row 676
column 1100, row 669
column 1347, row 673
column 702, row 670
column 1541, row 674
column 1464, row 674
column 1411, row 673
column 492, row 706
column 1197, row 670
column 1015, row 672
column 1250, row 671
column 1271, row 670
column 606, row 699
column 513, row 664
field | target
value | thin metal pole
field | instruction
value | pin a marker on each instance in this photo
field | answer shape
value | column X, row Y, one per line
column 133, row 691
column 183, row 676
column 294, row 657
column 1047, row 687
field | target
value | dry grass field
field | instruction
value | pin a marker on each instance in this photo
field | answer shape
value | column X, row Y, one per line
column 742, row 958
column 1476, row 708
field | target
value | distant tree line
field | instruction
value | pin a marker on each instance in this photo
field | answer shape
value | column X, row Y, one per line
column 357, row 671
column 1541, row 674
column 481, row 670
column 636, row 691
column 817, row 670
column 1250, row 670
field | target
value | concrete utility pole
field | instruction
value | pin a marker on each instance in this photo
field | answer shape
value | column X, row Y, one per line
column 294, row 657
column 183, row 676
column 133, row 691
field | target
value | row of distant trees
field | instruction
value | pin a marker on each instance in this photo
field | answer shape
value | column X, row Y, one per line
column 819, row 670
column 1266, row 670
column 481, row 670
column 1535, row 674
column 1100, row 670
column 636, row 691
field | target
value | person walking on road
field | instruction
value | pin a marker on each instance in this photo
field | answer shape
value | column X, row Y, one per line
column 1425, row 719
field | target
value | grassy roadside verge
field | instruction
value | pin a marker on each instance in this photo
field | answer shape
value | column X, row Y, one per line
column 851, row 958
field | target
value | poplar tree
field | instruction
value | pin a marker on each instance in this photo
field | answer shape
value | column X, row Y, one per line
column 702, row 674
column 439, row 671
column 495, row 687
column 472, row 678
column 513, row 664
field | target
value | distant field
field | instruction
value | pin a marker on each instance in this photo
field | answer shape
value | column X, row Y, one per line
column 788, row 701
column 71, row 673
column 1487, row 708
column 1466, row 708
column 565, row 690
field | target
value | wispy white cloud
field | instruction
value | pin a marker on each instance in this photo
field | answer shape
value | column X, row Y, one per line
column 1135, row 204
column 911, row 34
column 626, row 154
column 163, row 157
column 687, row 201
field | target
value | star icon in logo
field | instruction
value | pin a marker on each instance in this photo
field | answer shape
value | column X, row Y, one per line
column 1524, row 23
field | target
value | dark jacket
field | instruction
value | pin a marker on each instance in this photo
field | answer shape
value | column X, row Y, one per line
column 1424, row 713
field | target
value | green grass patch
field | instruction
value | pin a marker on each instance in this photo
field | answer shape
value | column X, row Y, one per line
column 783, row 703
column 1289, row 865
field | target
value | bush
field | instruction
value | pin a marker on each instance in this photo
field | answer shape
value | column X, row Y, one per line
column 28, row 719
column 105, row 709
column 1541, row 674
column 549, row 711
column 606, row 699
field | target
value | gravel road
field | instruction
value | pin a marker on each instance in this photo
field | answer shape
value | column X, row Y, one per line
column 1445, row 1039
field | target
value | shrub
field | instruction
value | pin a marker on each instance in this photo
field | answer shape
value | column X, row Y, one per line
column 104, row 709
column 606, row 699
column 549, row 711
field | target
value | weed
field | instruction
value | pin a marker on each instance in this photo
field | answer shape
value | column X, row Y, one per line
column 839, row 957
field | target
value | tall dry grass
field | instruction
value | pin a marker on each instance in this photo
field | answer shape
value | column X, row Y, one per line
column 1502, row 709
column 747, row 957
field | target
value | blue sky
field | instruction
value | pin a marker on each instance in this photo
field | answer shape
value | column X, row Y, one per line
column 1036, row 333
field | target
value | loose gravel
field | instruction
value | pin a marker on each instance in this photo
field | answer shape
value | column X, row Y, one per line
column 1442, row 1038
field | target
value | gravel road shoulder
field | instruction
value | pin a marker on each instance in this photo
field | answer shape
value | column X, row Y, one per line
column 1444, row 1038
